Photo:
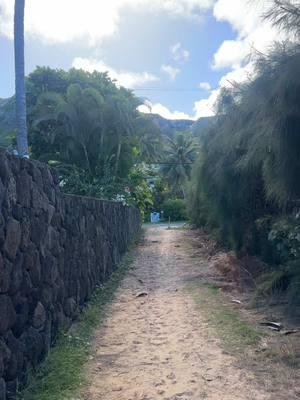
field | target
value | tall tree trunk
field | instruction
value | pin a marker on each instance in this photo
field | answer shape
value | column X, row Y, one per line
column 87, row 160
column 118, row 158
column 22, row 140
column 101, row 152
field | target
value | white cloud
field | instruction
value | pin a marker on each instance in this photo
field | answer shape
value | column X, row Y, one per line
column 124, row 78
column 252, row 32
column 6, row 17
column 163, row 111
column 56, row 22
column 243, row 16
column 172, row 72
column 230, row 53
column 237, row 75
column 179, row 53
column 205, row 107
column 179, row 8
column 202, row 108
column 59, row 21
column 94, row 20
column 204, row 86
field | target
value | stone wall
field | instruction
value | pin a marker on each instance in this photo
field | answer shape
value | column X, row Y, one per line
column 54, row 251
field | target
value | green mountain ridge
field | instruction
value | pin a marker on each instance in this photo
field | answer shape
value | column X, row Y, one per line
column 170, row 127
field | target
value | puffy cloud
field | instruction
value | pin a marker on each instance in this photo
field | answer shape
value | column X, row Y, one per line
column 253, row 33
column 64, row 20
column 189, row 8
column 245, row 17
column 124, row 78
column 205, row 107
column 202, row 108
column 242, row 15
column 230, row 53
column 163, row 111
column 6, row 17
column 204, row 86
column 179, row 53
column 172, row 72
column 237, row 75
column 58, row 21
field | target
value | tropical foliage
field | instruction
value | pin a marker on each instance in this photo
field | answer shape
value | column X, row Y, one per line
column 174, row 209
column 91, row 131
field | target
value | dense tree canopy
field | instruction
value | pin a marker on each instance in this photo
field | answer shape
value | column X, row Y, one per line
column 245, row 186
column 90, row 129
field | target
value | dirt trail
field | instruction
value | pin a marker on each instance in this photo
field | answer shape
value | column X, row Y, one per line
column 159, row 346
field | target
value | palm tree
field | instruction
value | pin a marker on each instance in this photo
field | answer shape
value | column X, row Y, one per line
column 121, row 112
column 22, row 140
column 77, row 124
column 181, row 153
column 149, row 139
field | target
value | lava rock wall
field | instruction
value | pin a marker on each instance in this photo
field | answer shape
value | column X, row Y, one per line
column 55, row 249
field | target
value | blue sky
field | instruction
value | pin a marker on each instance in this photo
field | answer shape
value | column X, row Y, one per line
column 175, row 53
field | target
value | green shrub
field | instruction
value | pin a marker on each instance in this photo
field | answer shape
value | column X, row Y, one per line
column 175, row 209
column 293, row 288
column 284, row 282
column 285, row 238
column 274, row 282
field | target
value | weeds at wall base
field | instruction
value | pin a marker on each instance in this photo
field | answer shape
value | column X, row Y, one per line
column 60, row 377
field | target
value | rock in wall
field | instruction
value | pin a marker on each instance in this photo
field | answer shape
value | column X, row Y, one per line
column 54, row 251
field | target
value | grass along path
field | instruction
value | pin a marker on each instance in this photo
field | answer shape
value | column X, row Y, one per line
column 163, row 346
column 62, row 374
column 162, row 330
column 236, row 333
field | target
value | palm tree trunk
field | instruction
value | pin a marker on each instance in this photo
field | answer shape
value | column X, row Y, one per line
column 102, row 132
column 86, row 155
column 118, row 158
column 22, row 140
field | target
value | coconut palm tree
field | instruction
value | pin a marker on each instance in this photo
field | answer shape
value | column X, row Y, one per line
column 77, row 124
column 121, row 113
column 180, row 155
column 149, row 139
column 22, row 140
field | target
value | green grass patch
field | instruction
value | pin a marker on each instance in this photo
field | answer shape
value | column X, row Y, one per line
column 227, row 322
column 61, row 375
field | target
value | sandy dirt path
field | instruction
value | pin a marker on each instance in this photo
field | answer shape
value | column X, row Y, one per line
column 159, row 346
